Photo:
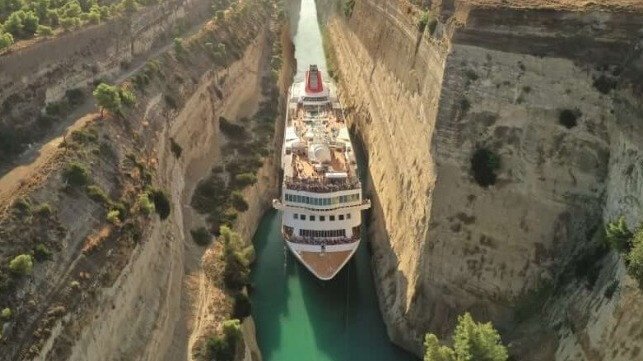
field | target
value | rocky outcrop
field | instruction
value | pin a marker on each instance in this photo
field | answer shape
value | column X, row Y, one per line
column 496, row 77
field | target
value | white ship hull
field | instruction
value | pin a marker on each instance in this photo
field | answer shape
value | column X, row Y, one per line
column 321, row 200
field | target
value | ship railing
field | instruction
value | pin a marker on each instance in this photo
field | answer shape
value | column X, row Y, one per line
column 320, row 241
column 322, row 185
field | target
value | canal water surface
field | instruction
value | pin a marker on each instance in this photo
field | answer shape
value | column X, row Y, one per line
column 298, row 317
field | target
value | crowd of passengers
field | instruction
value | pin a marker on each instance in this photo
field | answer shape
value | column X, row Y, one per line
column 324, row 241
column 315, row 186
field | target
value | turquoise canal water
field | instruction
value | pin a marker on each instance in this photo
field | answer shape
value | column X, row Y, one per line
column 298, row 317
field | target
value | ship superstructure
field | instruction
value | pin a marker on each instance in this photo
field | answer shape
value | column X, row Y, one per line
column 321, row 196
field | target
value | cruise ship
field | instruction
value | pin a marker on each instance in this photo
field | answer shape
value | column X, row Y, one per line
column 321, row 199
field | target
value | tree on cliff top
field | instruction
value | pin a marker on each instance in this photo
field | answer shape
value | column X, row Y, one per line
column 108, row 97
column 472, row 341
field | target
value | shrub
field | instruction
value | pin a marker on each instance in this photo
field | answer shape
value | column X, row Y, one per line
column 75, row 96
column 22, row 205
column 179, row 49
column 44, row 210
column 424, row 20
column 209, row 194
column 44, row 30
column 224, row 348
column 144, row 204
column 238, row 202
column 22, row 24
column 161, row 203
column 635, row 257
column 201, row 236
column 21, row 265
column 6, row 39
column 617, row 235
column 237, row 267
column 6, row 314
column 604, row 84
column 245, row 179
column 484, row 165
column 175, row 148
column 69, row 23
column 97, row 194
column 348, row 8
column 127, row 97
column 114, row 216
column 76, row 174
column 472, row 341
column 568, row 118
column 41, row 253
column 232, row 130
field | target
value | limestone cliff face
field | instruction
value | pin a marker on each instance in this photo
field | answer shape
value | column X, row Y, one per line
column 496, row 79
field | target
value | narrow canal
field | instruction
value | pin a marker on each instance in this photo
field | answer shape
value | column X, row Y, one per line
column 299, row 317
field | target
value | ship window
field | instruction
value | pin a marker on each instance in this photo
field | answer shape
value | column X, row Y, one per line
column 295, row 216
column 348, row 216
column 322, row 218
column 312, row 218
column 332, row 218
column 302, row 217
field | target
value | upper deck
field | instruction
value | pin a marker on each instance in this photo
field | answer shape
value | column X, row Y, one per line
column 318, row 154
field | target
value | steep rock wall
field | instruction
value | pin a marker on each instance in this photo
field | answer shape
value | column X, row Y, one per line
column 423, row 104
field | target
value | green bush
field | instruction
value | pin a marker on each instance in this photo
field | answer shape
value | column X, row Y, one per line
column 201, row 236
column 423, row 21
column 237, row 267
column 144, row 204
column 617, row 235
column 44, row 210
column 238, row 202
column 635, row 257
column 484, row 164
column 97, row 194
column 472, row 341
column 21, row 265
column 69, row 23
column 232, row 130
column 113, row 216
column 127, row 97
column 22, row 205
column 224, row 348
column 76, row 174
column 41, row 253
column 44, row 30
column 6, row 314
column 6, row 39
column 245, row 179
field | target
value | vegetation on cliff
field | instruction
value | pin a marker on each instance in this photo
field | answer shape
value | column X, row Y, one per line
column 23, row 19
column 471, row 341
column 630, row 244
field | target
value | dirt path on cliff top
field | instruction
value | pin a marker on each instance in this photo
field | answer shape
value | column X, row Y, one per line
column 29, row 168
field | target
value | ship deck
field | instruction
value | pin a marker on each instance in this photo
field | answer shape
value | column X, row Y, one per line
column 325, row 265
